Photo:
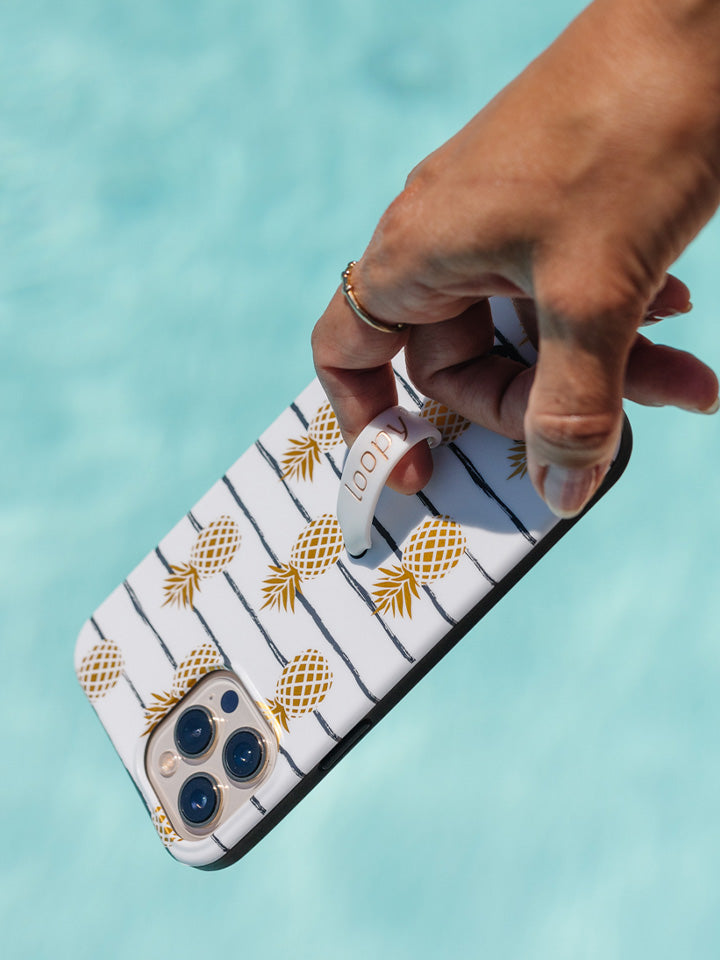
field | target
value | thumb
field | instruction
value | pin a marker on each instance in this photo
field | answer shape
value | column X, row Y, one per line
column 574, row 416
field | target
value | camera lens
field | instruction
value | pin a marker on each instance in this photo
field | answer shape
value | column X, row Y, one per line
column 244, row 754
column 198, row 800
column 194, row 732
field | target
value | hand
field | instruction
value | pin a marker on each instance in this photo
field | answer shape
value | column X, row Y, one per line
column 573, row 191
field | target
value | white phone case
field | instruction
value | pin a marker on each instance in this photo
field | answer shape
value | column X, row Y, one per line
column 255, row 580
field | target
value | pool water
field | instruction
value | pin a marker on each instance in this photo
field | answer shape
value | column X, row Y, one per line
column 180, row 185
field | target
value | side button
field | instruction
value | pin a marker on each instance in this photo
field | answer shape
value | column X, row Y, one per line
column 346, row 744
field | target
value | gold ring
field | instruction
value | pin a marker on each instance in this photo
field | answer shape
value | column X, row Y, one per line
column 359, row 311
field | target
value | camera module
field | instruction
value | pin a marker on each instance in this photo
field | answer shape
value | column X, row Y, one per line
column 206, row 756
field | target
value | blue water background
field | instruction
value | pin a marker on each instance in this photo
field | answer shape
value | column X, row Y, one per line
column 180, row 184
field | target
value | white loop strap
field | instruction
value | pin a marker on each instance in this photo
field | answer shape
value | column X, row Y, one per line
column 379, row 448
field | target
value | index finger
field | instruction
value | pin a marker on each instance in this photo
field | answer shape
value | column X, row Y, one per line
column 353, row 363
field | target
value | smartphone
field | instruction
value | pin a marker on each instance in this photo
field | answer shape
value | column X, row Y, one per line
column 249, row 651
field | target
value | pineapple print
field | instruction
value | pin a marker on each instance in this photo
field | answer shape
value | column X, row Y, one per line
column 317, row 548
column 323, row 434
column 201, row 660
column 449, row 423
column 302, row 686
column 213, row 550
column 518, row 459
column 432, row 551
column 100, row 669
column 164, row 827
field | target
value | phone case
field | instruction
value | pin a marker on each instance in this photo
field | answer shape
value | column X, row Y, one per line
column 255, row 580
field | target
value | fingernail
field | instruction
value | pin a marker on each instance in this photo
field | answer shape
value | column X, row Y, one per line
column 566, row 491
column 655, row 316
column 713, row 408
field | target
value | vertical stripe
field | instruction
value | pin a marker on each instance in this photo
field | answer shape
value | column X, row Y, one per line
column 475, row 475
column 143, row 616
column 102, row 636
column 291, row 763
column 300, row 415
column 301, row 598
column 473, row 471
column 248, row 609
column 505, row 348
column 390, row 541
column 468, row 553
column 368, row 601
column 251, row 520
column 209, row 632
column 197, row 527
column 197, row 613
column 276, row 652
column 275, row 467
column 326, row 726
column 256, row 803
column 357, row 587
column 124, row 673
column 409, row 390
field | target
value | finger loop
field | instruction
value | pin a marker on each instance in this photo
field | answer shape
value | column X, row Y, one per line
column 370, row 461
column 359, row 310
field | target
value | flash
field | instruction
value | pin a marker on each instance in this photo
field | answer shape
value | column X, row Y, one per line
column 167, row 763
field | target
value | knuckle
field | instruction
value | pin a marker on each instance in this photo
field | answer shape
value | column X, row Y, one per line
column 394, row 222
column 400, row 224
column 574, row 439
column 421, row 173
column 601, row 302
column 414, row 176
column 318, row 344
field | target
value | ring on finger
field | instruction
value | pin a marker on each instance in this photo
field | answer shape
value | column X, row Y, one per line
column 360, row 311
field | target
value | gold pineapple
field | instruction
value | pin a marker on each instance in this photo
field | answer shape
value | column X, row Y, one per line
column 518, row 459
column 197, row 663
column 201, row 660
column 448, row 422
column 301, row 687
column 164, row 827
column 100, row 669
column 432, row 551
column 322, row 436
column 212, row 552
column 317, row 548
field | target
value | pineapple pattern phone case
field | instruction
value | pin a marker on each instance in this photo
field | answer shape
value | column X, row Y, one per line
column 255, row 580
